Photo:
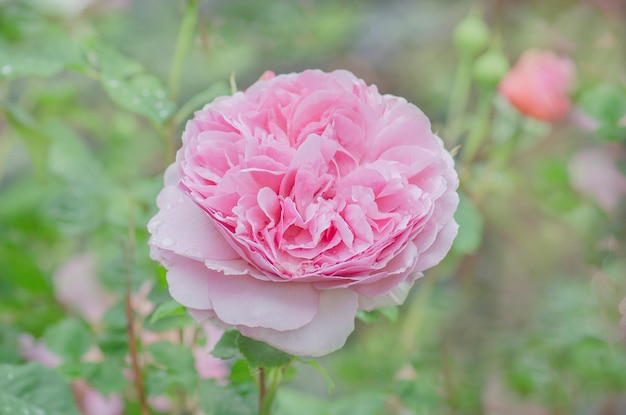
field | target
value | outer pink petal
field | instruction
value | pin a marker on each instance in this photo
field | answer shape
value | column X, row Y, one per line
column 244, row 300
column 188, row 281
column 327, row 332
column 184, row 228
column 438, row 250
column 394, row 297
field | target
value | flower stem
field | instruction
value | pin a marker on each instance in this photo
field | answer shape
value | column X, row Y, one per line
column 478, row 130
column 266, row 396
column 130, row 326
column 458, row 99
column 185, row 35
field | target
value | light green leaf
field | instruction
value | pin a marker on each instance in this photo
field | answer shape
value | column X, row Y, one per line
column 470, row 226
column 69, row 338
column 173, row 357
column 141, row 93
column 329, row 381
column 167, row 309
column 216, row 400
column 32, row 135
column 290, row 401
column 226, row 347
column 606, row 104
column 110, row 62
column 107, row 377
column 259, row 354
column 32, row 389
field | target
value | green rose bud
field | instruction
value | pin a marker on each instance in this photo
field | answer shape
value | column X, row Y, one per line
column 490, row 68
column 471, row 35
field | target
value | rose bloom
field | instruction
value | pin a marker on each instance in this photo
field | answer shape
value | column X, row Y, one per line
column 538, row 85
column 594, row 172
column 296, row 203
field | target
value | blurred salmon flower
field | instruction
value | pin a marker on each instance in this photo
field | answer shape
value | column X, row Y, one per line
column 538, row 85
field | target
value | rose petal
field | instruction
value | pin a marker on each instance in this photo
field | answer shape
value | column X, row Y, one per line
column 188, row 282
column 184, row 228
column 244, row 300
column 438, row 250
column 394, row 297
column 327, row 332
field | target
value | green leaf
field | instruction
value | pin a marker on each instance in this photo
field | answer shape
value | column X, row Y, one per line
column 111, row 62
column 329, row 381
column 259, row 354
column 470, row 226
column 69, row 338
column 226, row 347
column 141, row 93
column 174, row 365
column 240, row 373
column 216, row 400
column 391, row 312
column 35, row 138
column 20, row 63
column 128, row 85
column 168, row 315
column 32, row 389
column 362, row 404
column 290, row 401
column 606, row 104
column 107, row 377
column 113, row 343
column 174, row 357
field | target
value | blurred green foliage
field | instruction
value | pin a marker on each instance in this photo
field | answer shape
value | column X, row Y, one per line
column 526, row 304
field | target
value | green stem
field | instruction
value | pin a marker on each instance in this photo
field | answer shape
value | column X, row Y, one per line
column 478, row 130
column 275, row 376
column 459, row 99
column 185, row 35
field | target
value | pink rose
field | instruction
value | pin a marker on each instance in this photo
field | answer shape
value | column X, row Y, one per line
column 295, row 204
column 76, row 286
column 594, row 173
column 538, row 85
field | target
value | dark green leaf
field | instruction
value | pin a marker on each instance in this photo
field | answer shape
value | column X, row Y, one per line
column 226, row 347
column 32, row 389
column 259, row 354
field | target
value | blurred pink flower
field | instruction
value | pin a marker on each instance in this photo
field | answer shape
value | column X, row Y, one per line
column 36, row 351
column 295, row 204
column 538, row 85
column 88, row 400
column 92, row 402
column 208, row 366
column 594, row 173
column 76, row 286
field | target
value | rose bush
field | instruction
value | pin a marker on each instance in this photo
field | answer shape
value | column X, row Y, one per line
column 296, row 203
column 538, row 85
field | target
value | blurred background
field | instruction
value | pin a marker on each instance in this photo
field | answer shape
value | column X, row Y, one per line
column 523, row 317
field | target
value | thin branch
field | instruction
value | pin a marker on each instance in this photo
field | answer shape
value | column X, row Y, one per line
column 262, row 388
column 130, row 326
